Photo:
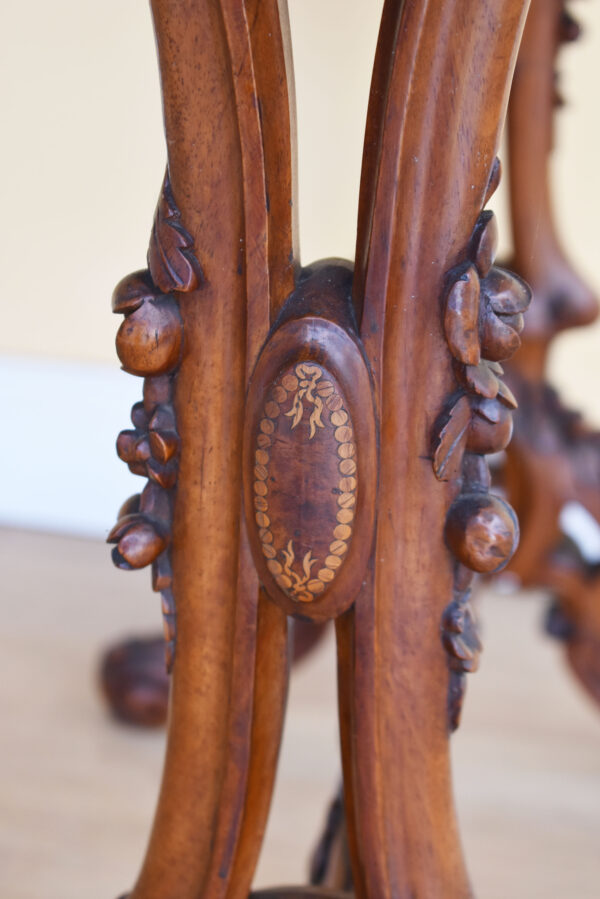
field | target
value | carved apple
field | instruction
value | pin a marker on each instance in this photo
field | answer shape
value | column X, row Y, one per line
column 149, row 340
column 482, row 531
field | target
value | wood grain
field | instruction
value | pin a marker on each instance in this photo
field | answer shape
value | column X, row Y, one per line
column 423, row 197
column 210, row 89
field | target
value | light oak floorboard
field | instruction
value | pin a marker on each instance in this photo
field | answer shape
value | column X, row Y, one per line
column 78, row 790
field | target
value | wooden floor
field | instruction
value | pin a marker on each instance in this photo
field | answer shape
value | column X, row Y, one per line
column 78, row 790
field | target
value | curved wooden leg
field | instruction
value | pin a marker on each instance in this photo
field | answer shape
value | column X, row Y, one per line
column 437, row 108
column 554, row 458
column 223, row 252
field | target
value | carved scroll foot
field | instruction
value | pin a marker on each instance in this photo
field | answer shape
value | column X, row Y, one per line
column 134, row 681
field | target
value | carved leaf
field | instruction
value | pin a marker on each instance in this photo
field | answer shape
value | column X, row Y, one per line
column 506, row 395
column 451, row 437
column 479, row 379
column 171, row 258
column 132, row 291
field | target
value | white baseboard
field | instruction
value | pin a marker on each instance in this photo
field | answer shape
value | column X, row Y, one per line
column 59, row 467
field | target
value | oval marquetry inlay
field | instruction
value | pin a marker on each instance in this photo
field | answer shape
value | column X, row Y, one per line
column 310, row 466
column 305, row 481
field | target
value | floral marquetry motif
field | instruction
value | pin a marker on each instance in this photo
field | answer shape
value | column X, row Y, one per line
column 305, row 421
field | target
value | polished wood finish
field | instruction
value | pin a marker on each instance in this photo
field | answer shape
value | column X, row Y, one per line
column 314, row 438
column 421, row 197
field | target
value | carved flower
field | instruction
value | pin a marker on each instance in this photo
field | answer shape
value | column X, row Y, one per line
column 151, row 450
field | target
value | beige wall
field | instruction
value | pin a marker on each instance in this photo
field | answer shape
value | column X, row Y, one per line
column 83, row 155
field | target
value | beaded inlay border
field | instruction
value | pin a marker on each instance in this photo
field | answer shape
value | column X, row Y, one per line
column 306, row 385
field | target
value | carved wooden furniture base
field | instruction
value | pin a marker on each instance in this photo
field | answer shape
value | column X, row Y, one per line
column 314, row 437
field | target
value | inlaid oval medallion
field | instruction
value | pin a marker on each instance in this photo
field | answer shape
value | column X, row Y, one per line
column 310, row 467
column 305, row 481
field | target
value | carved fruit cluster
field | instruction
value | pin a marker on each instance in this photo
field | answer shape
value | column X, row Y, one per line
column 483, row 318
column 149, row 344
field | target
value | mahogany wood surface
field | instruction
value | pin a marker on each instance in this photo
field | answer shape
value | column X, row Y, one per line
column 314, row 438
